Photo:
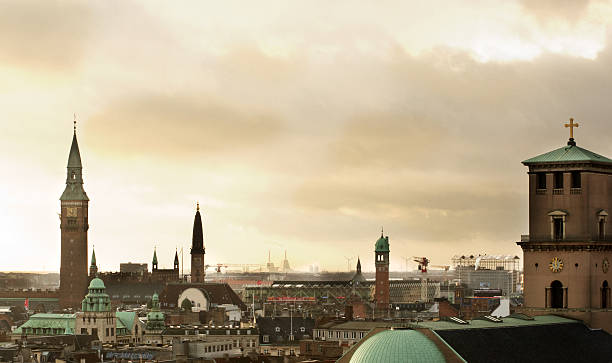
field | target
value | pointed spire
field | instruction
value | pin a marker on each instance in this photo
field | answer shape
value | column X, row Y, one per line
column 197, row 240
column 176, row 260
column 382, row 231
column 93, row 257
column 154, row 255
column 74, row 177
column 358, row 265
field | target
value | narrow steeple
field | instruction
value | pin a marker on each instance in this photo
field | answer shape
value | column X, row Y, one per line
column 74, row 177
column 358, row 265
column 154, row 263
column 93, row 267
column 176, row 260
column 197, row 241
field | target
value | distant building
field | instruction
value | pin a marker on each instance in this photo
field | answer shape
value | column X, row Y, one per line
column 381, row 254
column 73, row 226
column 134, row 268
column 165, row 275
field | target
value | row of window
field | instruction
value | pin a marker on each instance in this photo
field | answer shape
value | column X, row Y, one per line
column 557, row 295
column 44, row 331
column 576, row 180
column 339, row 334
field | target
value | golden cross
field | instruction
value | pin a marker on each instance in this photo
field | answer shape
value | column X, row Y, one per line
column 571, row 126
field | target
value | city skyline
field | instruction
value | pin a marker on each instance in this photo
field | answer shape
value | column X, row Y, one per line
column 292, row 135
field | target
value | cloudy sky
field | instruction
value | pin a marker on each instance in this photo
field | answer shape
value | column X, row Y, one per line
column 299, row 126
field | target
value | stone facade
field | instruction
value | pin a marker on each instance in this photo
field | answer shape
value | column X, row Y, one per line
column 568, row 251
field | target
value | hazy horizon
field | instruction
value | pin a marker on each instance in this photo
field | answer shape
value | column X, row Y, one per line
column 298, row 126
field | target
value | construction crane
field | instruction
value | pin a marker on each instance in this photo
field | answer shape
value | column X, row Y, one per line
column 423, row 263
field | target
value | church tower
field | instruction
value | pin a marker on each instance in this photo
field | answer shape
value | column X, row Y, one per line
column 73, row 226
column 569, row 247
column 198, row 269
column 381, row 254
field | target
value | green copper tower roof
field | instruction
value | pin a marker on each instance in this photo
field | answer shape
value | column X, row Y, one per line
column 382, row 245
column 93, row 257
column 154, row 256
column 74, row 179
column 391, row 346
column 569, row 153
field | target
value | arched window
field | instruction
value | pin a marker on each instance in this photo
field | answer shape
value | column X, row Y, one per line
column 605, row 294
column 556, row 295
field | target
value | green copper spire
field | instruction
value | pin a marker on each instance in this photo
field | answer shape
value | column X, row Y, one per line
column 74, row 178
column 93, row 257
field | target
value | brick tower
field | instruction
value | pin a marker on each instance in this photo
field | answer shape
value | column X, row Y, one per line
column 73, row 226
column 381, row 254
column 568, row 250
column 198, row 269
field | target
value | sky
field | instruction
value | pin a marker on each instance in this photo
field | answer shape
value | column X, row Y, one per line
column 299, row 126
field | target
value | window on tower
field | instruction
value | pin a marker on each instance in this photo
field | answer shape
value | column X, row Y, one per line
column 558, row 180
column 576, row 179
column 558, row 229
column 541, row 181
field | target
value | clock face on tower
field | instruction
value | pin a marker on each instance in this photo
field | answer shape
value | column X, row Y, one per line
column 71, row 212
column 556, row 264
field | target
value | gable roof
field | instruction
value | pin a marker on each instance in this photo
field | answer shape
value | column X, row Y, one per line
column 568, row 153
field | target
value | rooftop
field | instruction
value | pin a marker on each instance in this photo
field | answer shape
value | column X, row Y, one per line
column 568, row 153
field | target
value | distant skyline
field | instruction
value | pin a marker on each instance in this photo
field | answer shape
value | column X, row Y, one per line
column 298, row 126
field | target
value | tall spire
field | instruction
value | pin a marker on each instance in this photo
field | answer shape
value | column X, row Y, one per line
column 176, row 260
column 197, row 241
column 93, row 268
column 358, row 265
column 74, row 177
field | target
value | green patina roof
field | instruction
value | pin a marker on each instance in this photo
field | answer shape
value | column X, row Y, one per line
column 154, row 256
column 52, row 321
column 93, row 257
column 126, row 319
column 568, row 153
column 390, row 346
column 74, row 158
column 97, row 284
column 382, row 245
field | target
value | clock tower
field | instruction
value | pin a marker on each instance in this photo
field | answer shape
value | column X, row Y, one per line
column 569, row 246
column 198, row 269
column 381, row 256
column 73, row 226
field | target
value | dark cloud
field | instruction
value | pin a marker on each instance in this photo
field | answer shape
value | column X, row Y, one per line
column 44, row 35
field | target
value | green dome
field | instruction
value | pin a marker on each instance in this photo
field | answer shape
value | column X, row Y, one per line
column 392, row 346
column 96, row 284
column 382, row 245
